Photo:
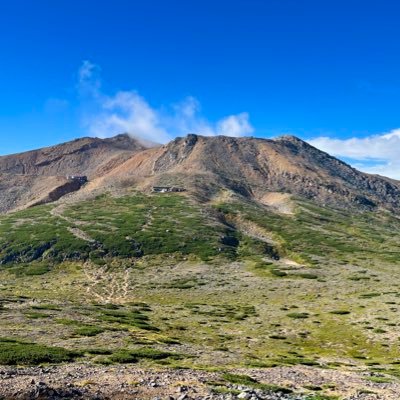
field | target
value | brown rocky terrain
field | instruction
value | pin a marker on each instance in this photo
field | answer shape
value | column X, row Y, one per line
column 40, row 176
column 258, row 281
column 254, row 167
column 85, row 156
column 204, row 166
column 129, row 383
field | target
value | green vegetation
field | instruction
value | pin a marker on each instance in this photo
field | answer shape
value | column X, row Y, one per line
column 239, row 379
column 145, row 225
column 140, row 225
column 32, row 269
column 246, row 380
column 125, row 356
column 297, row 315
column 134, row 318
column 14, row 352
column 323, row 232
column 340, row 312
column 230, row 285
column 88, row 331
column 278, row 272
column 306, row 275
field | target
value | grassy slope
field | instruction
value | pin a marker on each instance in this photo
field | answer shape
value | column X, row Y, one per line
column 186, row 283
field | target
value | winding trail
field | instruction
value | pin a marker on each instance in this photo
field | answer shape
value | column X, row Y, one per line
column 149, row 218
column 78, row 233
column 105, row 285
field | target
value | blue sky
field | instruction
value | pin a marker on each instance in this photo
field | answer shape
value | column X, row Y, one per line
column 326, row 71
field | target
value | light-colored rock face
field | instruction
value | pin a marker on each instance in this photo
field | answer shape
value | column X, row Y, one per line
column 40, row 176
column 86, row 156
column 19, row 190
column 204, row 166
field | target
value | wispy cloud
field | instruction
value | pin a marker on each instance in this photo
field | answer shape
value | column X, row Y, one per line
column 376, row 154
column 89, row 81
column 129, row 112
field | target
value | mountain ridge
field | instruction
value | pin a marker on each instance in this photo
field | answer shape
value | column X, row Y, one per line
column 254, row 166
column 265, row 260
column 203, row 166
column 32, row 177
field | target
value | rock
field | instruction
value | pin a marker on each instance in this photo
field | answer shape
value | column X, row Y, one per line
column 244, row 395
column 43, row 391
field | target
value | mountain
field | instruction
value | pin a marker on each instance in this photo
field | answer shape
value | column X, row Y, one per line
column 256, row 167
column 251, row 167
column 40, row 176
column 85, row 156
column 254, row 265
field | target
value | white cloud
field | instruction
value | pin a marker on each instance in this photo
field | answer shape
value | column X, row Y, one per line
column 376, row 154
column 89, row 82
column 129, row 112
column 235, row 125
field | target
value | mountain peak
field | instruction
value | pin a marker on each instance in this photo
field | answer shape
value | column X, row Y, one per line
column 289, row 138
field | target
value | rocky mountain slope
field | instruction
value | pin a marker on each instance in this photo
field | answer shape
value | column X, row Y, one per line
column 85, row 156
column 256, row 167
column 204, row 166
column 276, row 267
column 40, row 176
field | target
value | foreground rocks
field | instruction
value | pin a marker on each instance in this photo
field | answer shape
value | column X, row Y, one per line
column 126, row 382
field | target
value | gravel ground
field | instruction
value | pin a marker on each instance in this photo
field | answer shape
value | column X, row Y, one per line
column 123, row 382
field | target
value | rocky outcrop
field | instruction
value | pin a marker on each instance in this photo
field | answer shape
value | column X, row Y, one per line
column 71, row 185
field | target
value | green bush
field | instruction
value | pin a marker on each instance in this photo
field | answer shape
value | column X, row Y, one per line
column 31, row 269
column 88, row 331
column 246, row 380
column 340, row 312
column 13, row 352
column 132, row 356
column 123, row 357
column 301, row 315
column 153, row 354
column 307, row 275
column 278, row 272
column 239, row 379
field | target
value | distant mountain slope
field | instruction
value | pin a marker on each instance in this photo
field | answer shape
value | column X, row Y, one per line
column 264, row 260
column 203, row 166
column 86, row 156
column 255, row 167
column 19, row 191
column 40, row 175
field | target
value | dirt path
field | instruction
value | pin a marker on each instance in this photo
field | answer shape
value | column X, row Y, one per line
column 94, row 278
column 149, row 218
column 78, row 233
column 105, row 285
